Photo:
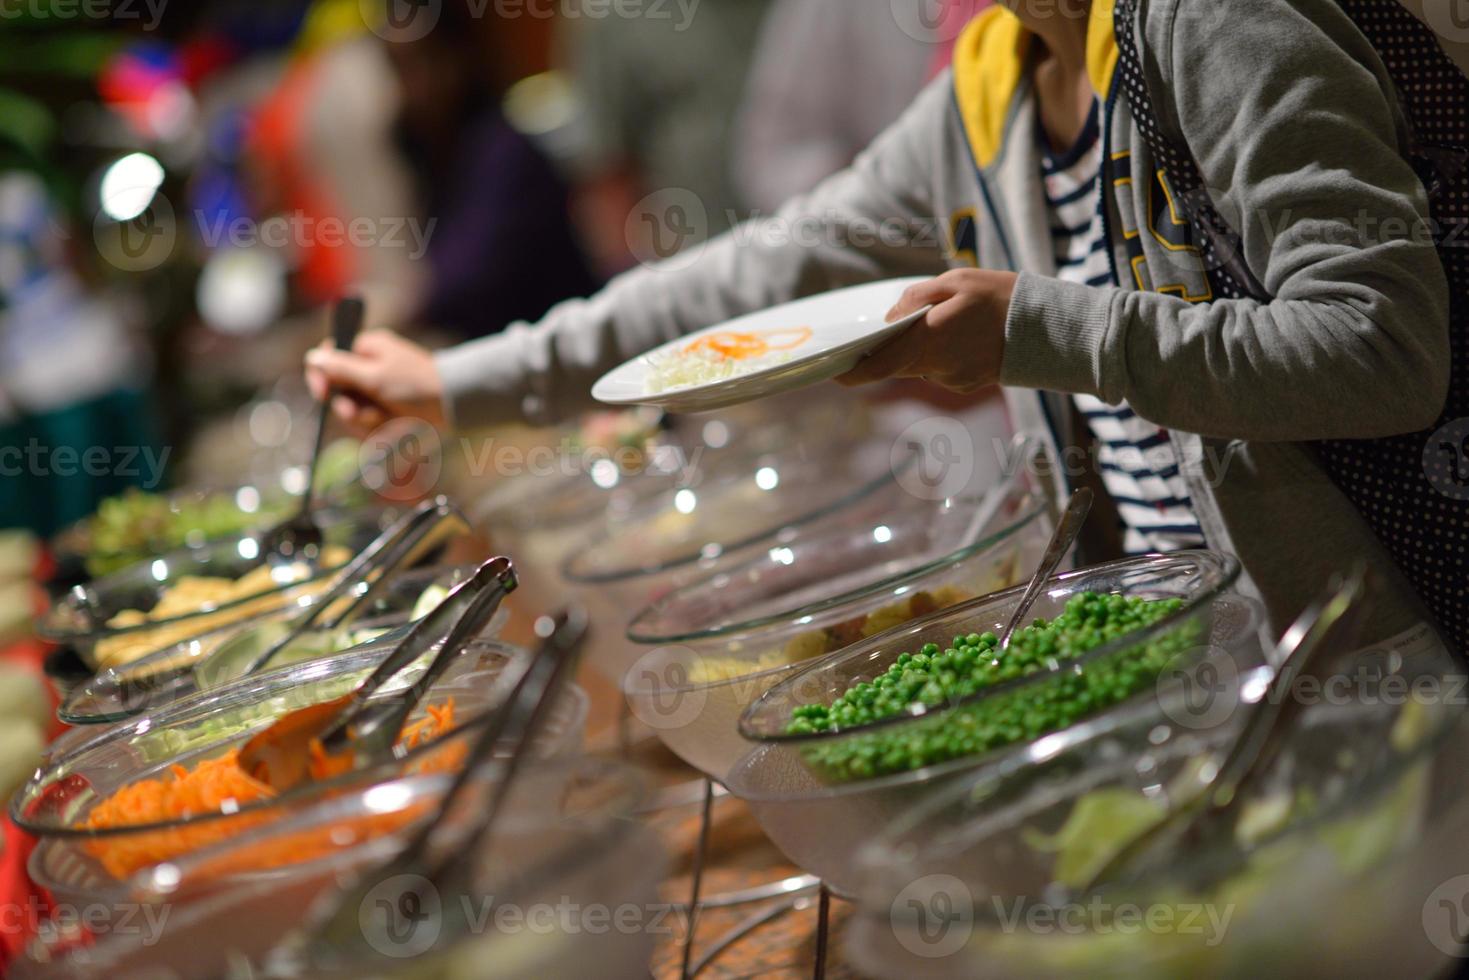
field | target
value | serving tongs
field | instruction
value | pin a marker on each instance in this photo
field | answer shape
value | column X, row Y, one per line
column 1329, row 624
column 358, row 730
column 131, row 688
column 338, row 934
column 370, row 572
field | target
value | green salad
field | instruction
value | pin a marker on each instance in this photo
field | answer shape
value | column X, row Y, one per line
column 1249, row 921
column 137, row 526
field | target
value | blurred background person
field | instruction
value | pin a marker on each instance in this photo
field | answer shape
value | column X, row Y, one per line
column 658, row 92
column 461, row 149
column 501, row 245
column 75, row 422
column 829, row 76
column 405, row 129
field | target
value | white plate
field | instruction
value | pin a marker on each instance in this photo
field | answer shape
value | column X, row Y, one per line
column 844, row 323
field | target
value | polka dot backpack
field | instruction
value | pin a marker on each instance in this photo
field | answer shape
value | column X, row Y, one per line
column 1412, row 489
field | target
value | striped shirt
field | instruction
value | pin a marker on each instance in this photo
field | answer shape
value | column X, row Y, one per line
column 1138, row 465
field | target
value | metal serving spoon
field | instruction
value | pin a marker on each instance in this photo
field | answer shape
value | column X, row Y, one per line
column 299, row 539
column 356, row 731
column 1329, row 624
column 1067, row 528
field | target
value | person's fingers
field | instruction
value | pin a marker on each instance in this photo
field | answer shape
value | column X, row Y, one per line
column 359, row 416
column 927, row 293
column 345, row 408
column 892, row 359
column 372, row 342
column 345, row 369
column 316, row 383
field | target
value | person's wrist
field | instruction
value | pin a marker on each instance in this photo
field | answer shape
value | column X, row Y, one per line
column 1003, row 296
column 1054, row 334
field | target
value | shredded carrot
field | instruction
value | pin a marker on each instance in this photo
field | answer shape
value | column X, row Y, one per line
column 220, row 785
column 311, row 844
column 742, row 346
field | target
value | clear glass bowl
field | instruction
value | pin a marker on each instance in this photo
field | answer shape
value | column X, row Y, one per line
column 1345, row 862
column 723, row 641
column 81, row 616
column 744, row 503
column 165, row 676
column 247, row 507
column 820, row 821
column 539, row 519
column 56, row 801
column 746, row 498
column 769, row 424
column 567, row 842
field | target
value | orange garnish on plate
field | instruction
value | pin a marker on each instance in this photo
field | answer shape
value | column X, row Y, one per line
column 739, row 346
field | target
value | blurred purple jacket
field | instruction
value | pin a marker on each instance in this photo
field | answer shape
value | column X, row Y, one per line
column 502, row 247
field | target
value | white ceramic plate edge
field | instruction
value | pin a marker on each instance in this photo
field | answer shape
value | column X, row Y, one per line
column 797, row 373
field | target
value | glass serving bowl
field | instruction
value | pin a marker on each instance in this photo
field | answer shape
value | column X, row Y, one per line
column 1347, row 860
column 566, row 843
column 800, row 788
column 541, row 517
column 743, row 503
column 240, row 511
column 57, row 800
column 81, row 616
column 165, row 676
column 538, row 519
column 723, row 641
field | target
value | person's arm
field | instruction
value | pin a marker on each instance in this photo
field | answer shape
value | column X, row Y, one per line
column 871, row 221
column 1281, row 103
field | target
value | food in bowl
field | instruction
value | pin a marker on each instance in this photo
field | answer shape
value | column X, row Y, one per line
column 1329, row 861
column 816, row 643
column 933, row 678
column 194, row 593
column 135, row 526
column 220, row 785
column 309, row 645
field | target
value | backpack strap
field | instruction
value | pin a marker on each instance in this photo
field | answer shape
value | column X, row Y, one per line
column 1219, row 244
